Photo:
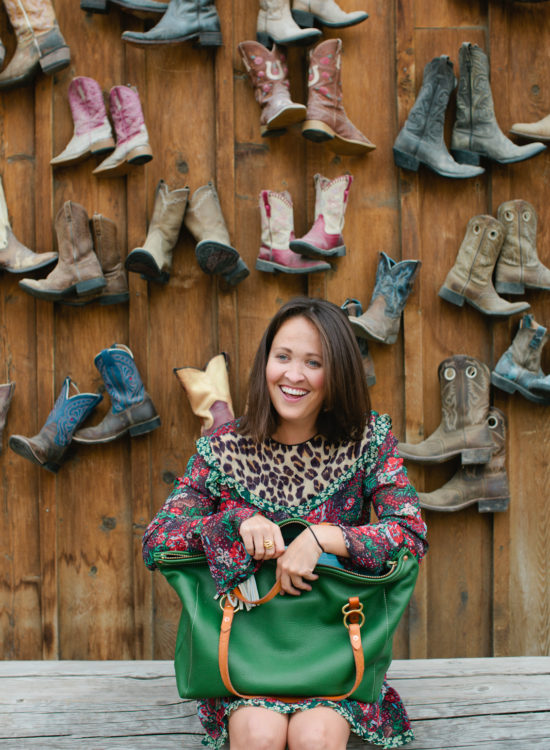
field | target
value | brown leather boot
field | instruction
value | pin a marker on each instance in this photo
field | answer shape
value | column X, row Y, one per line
column 486, row 485
column 326, row 116
column 470, row 279
column 208, row 393
column 464, row 383
column 518, row 266
column 78, row 272
column 6, row 395
column 269, row 75
column 14, row 256
column 39, row 42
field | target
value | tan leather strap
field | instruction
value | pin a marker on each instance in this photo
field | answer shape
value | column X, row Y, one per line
column 355, row 620
column 271, row 594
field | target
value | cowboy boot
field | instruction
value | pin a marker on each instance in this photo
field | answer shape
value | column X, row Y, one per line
column 138, row 8
column 132, row 138
column 476, row 132
column 6, row 395
column 48, row 448
column 538, row 131
column 324, row 239
column 394, row 282
column 326, row 116
column 269, row 75
column 485, row 484
column 470, row 279
column 184, row 20
column 214, row 253
column 519, row 368
column 154, row 260
column 277, row 219
column 14, row 256
column 208, row 393
column 92, row 129
column 353, row 309
column 78, row 271
column 39, row 42
column 325, row 13
column 464, row 383
column 276, row 25
column 420, row 140
column 2, row 53
column 132, row 409
column 518, row 266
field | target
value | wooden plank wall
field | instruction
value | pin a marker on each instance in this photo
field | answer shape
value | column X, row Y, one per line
column 72, row 584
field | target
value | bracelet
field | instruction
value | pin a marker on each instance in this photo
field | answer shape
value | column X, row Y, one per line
column 315, row 537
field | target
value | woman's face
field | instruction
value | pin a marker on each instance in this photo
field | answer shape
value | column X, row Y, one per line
column 295, row 375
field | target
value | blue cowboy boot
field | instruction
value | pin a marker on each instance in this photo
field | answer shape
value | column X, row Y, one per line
column 48, row 448
column 394, row 282
column 132, row 409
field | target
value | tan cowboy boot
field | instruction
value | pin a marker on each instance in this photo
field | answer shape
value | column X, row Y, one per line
column 208, row 393
column 6, row 395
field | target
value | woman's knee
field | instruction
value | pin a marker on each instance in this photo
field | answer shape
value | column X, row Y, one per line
column 315, row 732
column 262, row 729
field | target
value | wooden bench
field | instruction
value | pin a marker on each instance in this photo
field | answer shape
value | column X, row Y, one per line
column 492, row 704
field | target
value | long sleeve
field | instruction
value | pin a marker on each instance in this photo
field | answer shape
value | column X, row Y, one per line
column 395, row 503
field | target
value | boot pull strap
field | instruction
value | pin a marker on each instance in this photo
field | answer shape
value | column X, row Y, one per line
column 537, row 338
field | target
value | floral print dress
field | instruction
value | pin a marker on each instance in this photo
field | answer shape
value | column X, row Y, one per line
column 232, row 477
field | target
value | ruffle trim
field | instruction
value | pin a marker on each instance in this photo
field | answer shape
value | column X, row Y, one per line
column 367, row 461
column 374, row 738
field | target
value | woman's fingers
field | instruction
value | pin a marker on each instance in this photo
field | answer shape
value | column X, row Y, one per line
column 262, row 538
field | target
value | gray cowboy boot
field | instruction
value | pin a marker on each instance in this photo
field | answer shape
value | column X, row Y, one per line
column 353, row 309
column 519, row 367
column 183, row 21
column 464, row 382
column 485, row 484
column 6, row 395
column 139, row 8
column 394, row 283
column 471, row 278
column 476, row 132
column 48, row 448
column 132, row 409
column 518, row 266
column 208, row 393
column 420, row 140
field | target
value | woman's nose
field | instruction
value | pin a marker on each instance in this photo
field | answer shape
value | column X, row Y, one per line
column 294, row 372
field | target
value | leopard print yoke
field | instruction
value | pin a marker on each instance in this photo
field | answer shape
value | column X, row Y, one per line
column 277, row 477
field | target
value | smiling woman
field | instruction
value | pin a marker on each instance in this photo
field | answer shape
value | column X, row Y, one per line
column 308, row 447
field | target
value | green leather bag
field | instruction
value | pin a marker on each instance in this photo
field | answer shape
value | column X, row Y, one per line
column 290, row 646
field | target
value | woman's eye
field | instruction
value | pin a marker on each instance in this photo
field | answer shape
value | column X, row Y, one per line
column 282, row 357
column 314, row 363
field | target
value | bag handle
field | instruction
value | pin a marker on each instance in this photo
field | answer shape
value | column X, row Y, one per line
column 353, row 620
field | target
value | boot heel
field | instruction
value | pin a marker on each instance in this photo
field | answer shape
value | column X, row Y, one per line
column 509, row 287
column 144, row 427
column 91, row 285
column 465, row 157
column 476, row 456
column 140, row 155
column 497, row 505
column 99, row 147
column 304, row 19
column 503, row 383
column 55, row 60
column 94, row 6
column 210, row 39
column 405, row 161
column 450, row 296
column 237, row 274
column 51, row 466
column 317, row 131
column 265, row 265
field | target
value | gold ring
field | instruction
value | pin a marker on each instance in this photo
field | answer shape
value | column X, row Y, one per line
column 268, row 544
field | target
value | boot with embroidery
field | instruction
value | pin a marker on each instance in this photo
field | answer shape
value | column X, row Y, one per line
column 325, row 13
column 394, row 283
column 269, row 75
column 276, row 25
column 326, row 116
column 6, row 395
column 184, row 20
column 518, row 266
column 92, row 130
column 471, row 278
column 154, row 260
column 14, row 256
column 48, row 448
column 324, row 239
column 465, row 383
column 476, row 132
column 208, row 393
column 420, row 140
column 132, row 410
column 484, row 484
column 132, row 138
column 40, row 45
column 519, row 369
column 533, row 131
column 275, row 255
column 353, row 309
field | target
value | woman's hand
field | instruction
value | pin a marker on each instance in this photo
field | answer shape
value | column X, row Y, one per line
column 262, row 538
column 295, row 567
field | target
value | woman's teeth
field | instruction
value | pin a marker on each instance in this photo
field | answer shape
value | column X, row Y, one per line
column 293, row 391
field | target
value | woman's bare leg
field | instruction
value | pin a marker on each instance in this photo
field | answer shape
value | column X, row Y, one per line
column 319, row 728
column 257, row 728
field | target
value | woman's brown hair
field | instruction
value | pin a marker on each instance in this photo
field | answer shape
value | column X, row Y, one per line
column 347, row 403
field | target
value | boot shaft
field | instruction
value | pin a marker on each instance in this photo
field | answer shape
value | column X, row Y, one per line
column 105, row 241
column 208, row 393
column 520, row 240
column 118, row 369
column 30, row 17
column 167, row 218
column 191, row 14
column 479, row 250
column 497, row 423
column 394, row 282
column 5, row 227
column 277, row 219
column 464, row 383
column 74, row 238
column 204, row 217
column 68, row 413
column 426, row 119
column 6, row 395
column 526, row 348
column 324, row 76
column 331, row 198
column 474, row 101
column 87, row 104
column 127, row 114
column 267, row 70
